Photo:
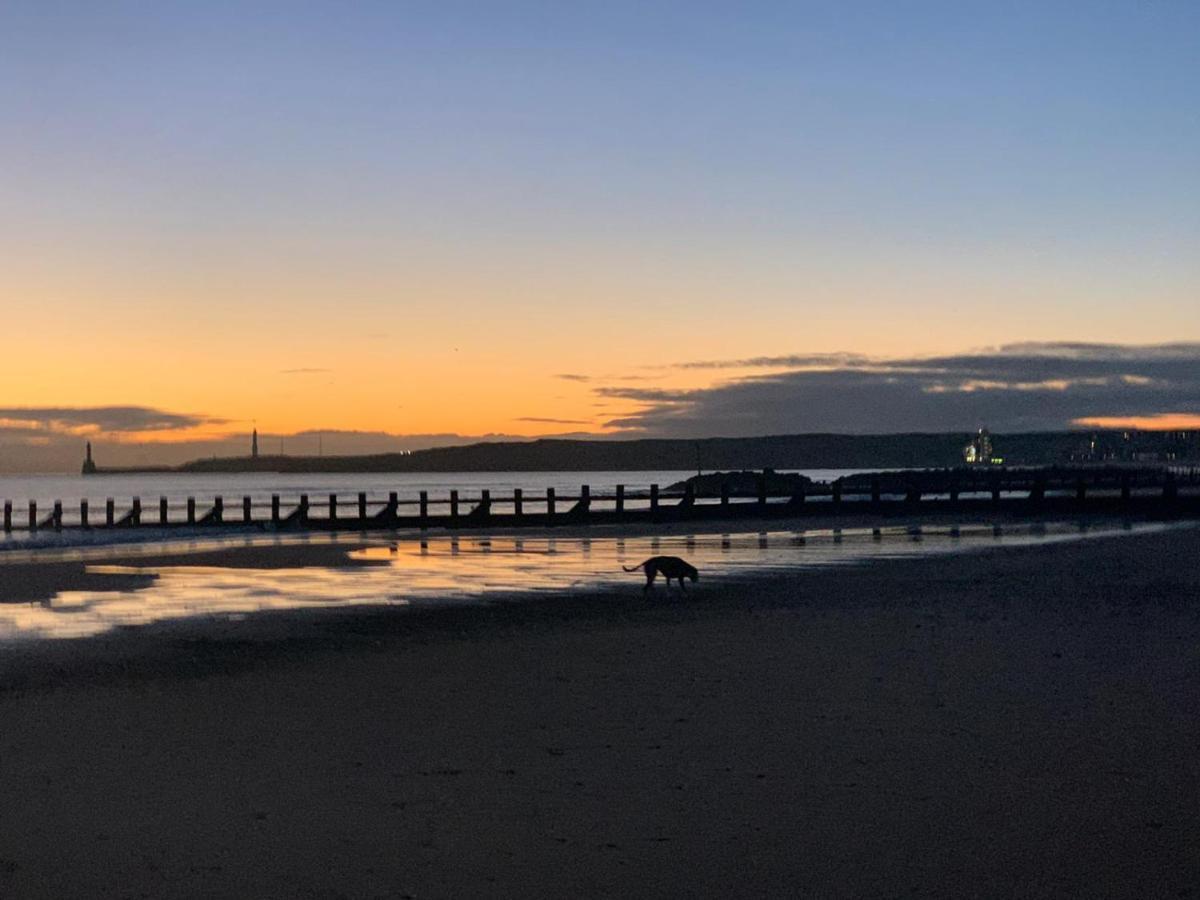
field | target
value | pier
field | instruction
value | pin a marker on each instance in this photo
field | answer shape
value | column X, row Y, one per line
column 1165, row 493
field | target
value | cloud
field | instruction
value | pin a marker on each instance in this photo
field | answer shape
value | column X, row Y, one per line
column 571, row 376
column 793, row 361
column 549, row 421
column 304, row 371
column 98, row 419
column 1018, row 387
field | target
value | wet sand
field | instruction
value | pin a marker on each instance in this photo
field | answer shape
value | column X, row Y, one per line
column 1014, row 722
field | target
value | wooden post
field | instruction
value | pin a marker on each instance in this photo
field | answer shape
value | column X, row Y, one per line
column 954, row 490
column 424, row 507
column 876, row 492
column 218, row 510
column 837, row 493
column 654, row 498
column 620, row 499
column 1170, row 490
column 724, row 494
column 247, row 515
column 83, row 514
column 1080, row 491
column 995, row 488
column 135, row 514
column 274, row 509
column 453, row 508
column 110, row 512
column 333, row 507
column 1037, row 493
column 762, row 491
column 1125, row 491
column 302, row 511
column 518, row 504
column 57, row 516
column 393, row 505
column 162, row 510
column 585, row 496
column 7, row 516
column 550, row 504
column 362, row 506
column 191, row 510
column 33, row 515
column 485, row 502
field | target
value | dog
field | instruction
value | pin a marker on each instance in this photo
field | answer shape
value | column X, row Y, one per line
column 669, row 566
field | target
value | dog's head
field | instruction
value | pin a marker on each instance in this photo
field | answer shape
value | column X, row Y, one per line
column 693, row 574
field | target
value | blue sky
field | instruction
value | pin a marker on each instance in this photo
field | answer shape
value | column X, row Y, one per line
column 514, row 190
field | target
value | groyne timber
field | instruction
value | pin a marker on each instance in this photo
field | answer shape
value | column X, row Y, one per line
column 1158, row 493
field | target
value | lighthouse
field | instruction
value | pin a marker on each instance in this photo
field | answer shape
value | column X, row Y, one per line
column 254, row 444
column 89, row 467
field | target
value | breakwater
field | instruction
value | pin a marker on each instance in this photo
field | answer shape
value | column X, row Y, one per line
column 1154, row 492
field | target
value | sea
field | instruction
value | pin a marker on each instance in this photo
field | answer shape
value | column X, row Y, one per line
column 403, row 568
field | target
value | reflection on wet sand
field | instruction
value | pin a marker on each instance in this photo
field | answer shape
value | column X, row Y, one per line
column 397, row 571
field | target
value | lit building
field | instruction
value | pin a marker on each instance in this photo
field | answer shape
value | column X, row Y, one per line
column 979, row 452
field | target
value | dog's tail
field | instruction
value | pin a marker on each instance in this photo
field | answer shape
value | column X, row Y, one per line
column 634, row 568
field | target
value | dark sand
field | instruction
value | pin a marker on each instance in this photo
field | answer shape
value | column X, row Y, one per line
column 1017, row 722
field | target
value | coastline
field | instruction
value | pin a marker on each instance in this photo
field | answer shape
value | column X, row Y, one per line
column 1020, row 721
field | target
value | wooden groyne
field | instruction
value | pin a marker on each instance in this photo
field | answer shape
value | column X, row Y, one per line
column 1162, row 493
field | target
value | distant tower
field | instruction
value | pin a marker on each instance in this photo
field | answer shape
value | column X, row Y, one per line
column 254, row 444
column 89, row 467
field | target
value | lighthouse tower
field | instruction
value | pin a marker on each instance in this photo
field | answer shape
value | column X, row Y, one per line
column 89, row 467
column 254, row 444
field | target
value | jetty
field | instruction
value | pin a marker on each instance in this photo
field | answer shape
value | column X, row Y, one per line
column 1157, row 493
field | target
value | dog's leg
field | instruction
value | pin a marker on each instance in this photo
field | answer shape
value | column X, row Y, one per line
column 650, row 575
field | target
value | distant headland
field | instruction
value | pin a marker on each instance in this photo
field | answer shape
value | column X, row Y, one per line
column 796, row 451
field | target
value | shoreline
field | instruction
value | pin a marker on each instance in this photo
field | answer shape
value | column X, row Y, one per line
column 1021, row 721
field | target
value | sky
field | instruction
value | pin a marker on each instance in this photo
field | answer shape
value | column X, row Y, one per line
column 385, row 225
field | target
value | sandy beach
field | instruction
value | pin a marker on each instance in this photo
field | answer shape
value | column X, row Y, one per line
column 1016, row 722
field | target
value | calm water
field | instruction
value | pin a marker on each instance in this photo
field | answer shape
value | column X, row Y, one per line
column 455, row 569
column 70, row 489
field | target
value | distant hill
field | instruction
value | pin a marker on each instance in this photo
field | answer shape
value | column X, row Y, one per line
column 795, row 451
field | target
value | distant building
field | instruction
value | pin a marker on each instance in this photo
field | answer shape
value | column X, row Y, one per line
column 89, row 467
column 254, row 444
column 980, row 451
